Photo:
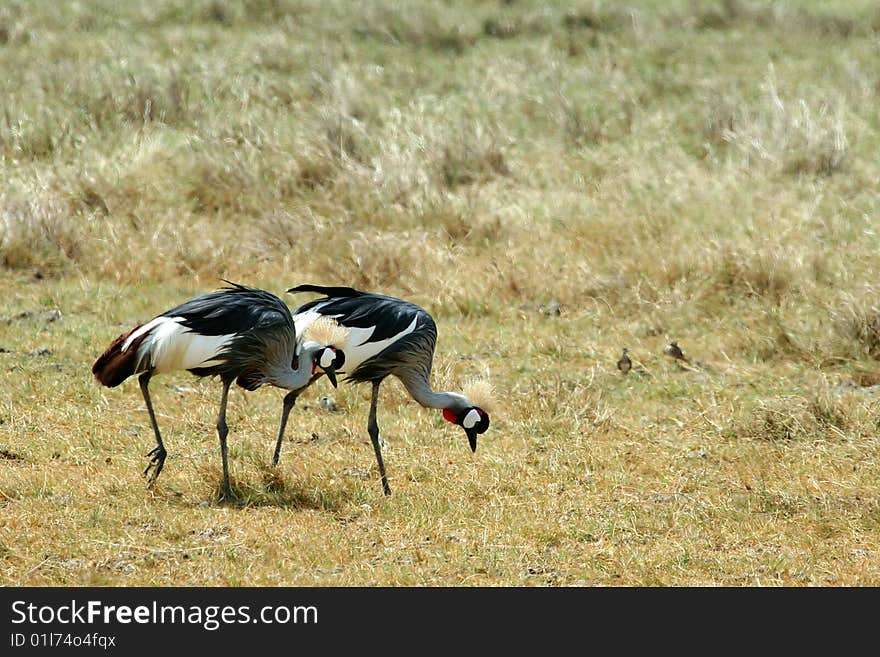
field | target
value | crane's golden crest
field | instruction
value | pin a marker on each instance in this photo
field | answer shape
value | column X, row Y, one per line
column 327, row 331
column 480, row 393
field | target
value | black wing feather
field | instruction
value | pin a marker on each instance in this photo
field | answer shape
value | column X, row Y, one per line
column 409, row 358
column 261, row 323
column 388, row 315
column 328, row 291
column 231, row 310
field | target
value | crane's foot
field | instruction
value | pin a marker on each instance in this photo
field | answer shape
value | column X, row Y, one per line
column 157, row 462
column 226, row 496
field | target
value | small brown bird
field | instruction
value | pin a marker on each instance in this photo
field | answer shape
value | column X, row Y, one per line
column 673, row 350
column 624, row 364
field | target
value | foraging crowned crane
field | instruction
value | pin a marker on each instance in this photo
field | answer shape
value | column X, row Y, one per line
column 238, row 333
column 391, row 336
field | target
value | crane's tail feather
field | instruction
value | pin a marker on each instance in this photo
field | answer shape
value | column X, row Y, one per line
column 235, row 286
column 329, row 291
column 115, row 365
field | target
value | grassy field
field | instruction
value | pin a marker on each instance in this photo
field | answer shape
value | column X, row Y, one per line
column 554, row 181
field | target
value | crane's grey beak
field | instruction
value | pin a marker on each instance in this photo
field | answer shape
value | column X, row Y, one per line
column 472, row 438
column 331, row 374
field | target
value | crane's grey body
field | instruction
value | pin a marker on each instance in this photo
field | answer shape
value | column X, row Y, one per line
column 387, row 336
column 238, row 333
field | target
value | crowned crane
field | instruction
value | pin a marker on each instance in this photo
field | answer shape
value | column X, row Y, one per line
column 386, row 336
column 238, row 333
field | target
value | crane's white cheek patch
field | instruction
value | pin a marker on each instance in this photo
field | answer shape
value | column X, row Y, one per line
column 327, row 358
column 471, row 419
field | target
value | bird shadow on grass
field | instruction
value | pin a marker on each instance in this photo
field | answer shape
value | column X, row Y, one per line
column 273, row 489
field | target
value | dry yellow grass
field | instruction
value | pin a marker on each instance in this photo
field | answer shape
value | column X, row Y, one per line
column 554, row 183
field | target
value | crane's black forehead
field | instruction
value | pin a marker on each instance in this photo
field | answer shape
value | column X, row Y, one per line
column 232, row 310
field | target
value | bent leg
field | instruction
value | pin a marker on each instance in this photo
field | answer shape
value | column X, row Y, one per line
column 289, row 401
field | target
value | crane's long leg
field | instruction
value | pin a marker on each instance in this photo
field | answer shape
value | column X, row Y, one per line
column 373, row 428
column 223, row 431
column 289, row 401
column 158, row 453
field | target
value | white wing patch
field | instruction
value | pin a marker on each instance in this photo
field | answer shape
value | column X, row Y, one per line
column 143, row 329
column 471, row 419
column 363, row 350
column 172, row 346
column 356, row 349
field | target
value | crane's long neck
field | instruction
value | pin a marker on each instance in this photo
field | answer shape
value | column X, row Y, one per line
column 420, row 389
column 286, row 377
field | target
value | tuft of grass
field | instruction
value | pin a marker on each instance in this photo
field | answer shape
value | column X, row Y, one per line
column 857, row 320
column 736, row 275
column 797, row 136
column 415, row 25
column 38, row 233
column 826, row 414
column 471, row 157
